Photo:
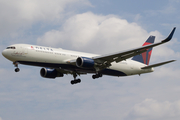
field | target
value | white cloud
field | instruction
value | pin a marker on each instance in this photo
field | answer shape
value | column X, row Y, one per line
column 21, row 14
column 106, row 98
column 167, row 72
column 151, row 109
column 103, row 34
column 96, row 33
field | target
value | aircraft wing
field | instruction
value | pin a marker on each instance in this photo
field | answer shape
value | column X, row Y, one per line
column 106, row 60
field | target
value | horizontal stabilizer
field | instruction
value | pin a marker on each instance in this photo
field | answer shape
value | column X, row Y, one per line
column 158, row 64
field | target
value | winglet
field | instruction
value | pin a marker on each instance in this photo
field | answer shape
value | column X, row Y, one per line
column 170, row 35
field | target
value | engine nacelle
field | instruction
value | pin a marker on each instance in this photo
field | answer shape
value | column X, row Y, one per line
column 50, row 73
column 84, row 62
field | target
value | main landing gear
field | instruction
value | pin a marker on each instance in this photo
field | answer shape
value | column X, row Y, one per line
column 97, row 75
column 16, row 65
column 75, row 81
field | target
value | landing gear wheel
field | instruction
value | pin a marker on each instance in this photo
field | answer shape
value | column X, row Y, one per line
column 72, row 82
column 78, row 80
column 96, row 75
column 17, row 70
column 75, row 81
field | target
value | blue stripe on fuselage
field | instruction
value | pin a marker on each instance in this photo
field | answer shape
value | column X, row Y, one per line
column 73, row 68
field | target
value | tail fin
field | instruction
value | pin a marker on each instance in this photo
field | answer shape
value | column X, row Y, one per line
column 145, row 57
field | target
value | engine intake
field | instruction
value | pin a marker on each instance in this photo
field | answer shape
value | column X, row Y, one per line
column 50, row 73
column 84, row 62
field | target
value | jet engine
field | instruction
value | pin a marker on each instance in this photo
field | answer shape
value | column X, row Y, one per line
column 50, row 73
column 84, row 62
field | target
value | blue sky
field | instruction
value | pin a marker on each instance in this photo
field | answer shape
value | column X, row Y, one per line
column 103, row 26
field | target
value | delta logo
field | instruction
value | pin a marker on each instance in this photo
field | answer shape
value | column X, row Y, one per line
column 32, row 47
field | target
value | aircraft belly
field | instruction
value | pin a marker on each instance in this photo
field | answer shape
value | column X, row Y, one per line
column 127, row 67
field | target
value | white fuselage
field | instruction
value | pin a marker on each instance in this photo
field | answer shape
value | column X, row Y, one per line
column 40, row 56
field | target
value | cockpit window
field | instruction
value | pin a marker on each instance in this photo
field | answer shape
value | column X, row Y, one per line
column 11, row 47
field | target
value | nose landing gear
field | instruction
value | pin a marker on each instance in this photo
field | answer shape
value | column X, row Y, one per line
column 16, row 65
column 17, row 70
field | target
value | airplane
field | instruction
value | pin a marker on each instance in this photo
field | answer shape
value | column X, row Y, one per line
column 56, row 62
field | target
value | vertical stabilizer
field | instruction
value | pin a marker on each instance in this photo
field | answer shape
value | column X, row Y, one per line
column 145, row 57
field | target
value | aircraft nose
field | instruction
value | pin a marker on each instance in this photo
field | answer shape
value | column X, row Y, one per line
column 4, row 53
